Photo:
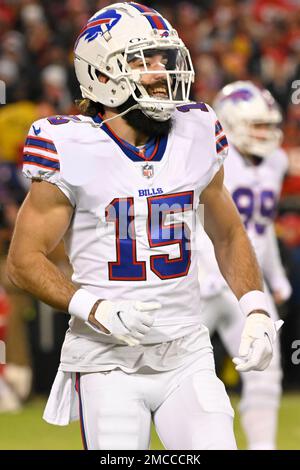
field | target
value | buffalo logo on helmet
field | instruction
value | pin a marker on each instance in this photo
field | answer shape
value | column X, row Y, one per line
column 239, row 95
column 98, row 25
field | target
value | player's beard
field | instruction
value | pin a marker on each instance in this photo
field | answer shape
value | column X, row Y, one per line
column 143, row 123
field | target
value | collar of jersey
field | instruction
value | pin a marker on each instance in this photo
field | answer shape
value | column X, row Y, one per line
column 153, row 150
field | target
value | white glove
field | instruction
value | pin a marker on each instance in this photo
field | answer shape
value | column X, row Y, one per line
column 128, row 320
column 256, row 348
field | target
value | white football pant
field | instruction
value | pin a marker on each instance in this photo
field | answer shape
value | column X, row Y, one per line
column 189, row 407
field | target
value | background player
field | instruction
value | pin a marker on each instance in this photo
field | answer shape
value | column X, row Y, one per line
column 126, row 215
column 254, row 172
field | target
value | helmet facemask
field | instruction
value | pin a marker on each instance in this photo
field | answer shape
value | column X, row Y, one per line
column 158, row 99
column 124, row 82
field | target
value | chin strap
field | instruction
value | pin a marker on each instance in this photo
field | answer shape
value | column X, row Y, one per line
column 95, row 124
column 135, row 106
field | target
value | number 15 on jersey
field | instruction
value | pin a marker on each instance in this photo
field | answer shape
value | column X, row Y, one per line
column 160, row 233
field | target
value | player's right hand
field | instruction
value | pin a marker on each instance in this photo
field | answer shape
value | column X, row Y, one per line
column 128, row 320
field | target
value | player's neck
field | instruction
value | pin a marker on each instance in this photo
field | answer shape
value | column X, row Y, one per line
column 124, row 130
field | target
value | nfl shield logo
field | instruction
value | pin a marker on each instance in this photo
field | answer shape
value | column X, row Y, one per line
column 148, row 170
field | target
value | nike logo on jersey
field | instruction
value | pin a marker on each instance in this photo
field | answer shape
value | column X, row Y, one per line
column 36, row 131
column 150, row 192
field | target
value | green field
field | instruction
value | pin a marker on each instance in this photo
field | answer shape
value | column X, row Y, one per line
column 27, row 430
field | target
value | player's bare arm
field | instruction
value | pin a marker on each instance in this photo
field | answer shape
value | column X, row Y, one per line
column 41, row 224
column 233, row 249
column 239, row 267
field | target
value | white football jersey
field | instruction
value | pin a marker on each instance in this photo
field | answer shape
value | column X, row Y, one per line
column 255, row 190
column 131, row 236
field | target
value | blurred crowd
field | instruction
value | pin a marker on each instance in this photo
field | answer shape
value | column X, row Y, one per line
column 228, row 39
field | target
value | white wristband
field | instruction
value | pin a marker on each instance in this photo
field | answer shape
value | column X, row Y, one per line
column 253, row 300
column 81, row 304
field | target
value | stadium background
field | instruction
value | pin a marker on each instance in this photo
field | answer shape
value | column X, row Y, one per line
column 228, row 40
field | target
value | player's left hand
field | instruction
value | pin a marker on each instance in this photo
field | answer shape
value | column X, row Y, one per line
column 256, row 348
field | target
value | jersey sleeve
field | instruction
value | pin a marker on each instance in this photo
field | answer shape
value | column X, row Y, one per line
column 220, row 143
column 42, row 160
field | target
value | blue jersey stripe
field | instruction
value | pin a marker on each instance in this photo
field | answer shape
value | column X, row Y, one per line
column 41, row 161
column 219, row 127
column 41, row 143
column 221, row 144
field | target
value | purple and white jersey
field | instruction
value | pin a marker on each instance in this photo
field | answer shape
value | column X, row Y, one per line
column 255, row 191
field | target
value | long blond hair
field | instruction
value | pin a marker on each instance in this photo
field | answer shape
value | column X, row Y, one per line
column 88, row 107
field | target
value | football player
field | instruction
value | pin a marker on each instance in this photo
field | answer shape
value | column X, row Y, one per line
column 254, row 171
column 121, row 183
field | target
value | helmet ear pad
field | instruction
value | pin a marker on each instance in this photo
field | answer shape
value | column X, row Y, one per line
column 112, row 92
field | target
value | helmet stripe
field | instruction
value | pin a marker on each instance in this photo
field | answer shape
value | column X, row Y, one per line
column 156, row 20
column 143, row 8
